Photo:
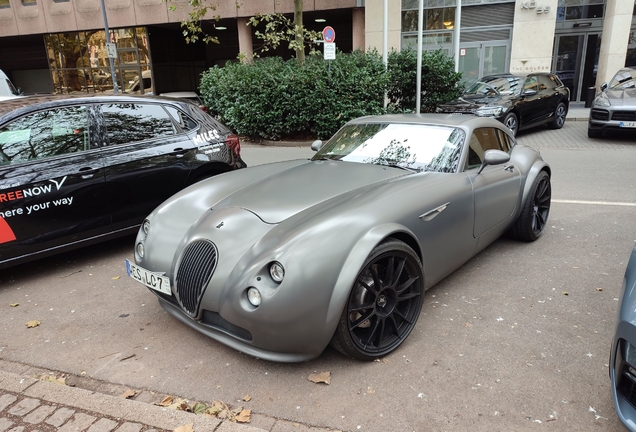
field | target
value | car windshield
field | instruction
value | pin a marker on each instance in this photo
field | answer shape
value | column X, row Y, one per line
column 495, row 85
column 409, row 146
column 624, row 79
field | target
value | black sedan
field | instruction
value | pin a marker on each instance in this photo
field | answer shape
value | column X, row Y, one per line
column 518, row 101
column 75, row 171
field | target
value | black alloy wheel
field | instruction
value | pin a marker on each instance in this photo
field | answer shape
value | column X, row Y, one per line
column 384, row 304
column 534, row 215
column 559, row 116
column 512, row 123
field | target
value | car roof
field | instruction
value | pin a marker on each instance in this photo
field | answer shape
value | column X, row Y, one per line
column 454, row 120
column 19, row 106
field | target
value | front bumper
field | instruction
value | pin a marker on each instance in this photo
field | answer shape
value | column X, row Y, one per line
column 623, row 376
column 612, row 119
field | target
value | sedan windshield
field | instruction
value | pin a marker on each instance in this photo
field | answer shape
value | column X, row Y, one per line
column 409, row 146
column 495, row 85
column 624, row 79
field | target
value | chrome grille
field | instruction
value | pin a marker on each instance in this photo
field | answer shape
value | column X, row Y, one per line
column 196, row 268
column 624, row 115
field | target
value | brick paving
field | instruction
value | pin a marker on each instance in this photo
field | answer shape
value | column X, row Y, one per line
column 22, row 414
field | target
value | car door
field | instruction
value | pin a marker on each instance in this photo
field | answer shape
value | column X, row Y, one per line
column 549, row 95
column 145, row 157
column 496, row 187
column 531, row 107
column 52, row 189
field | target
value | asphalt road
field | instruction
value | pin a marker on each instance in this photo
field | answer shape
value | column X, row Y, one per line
column 516, row 339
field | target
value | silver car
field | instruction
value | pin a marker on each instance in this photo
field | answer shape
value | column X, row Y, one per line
column 280, row 260
column 614, row 109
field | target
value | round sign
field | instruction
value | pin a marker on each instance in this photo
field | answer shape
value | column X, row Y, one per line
column 328, row 34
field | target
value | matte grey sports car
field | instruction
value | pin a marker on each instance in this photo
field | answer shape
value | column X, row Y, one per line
column 623, row 354
column 614, row 109
column 280, row 260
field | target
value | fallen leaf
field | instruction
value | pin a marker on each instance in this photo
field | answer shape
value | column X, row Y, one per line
column 599, row 289
column 247, row 398
column 186, row 428
column 199, row 408
column 116, row 277
column 564, row 293
column 128, row 394
column 385, row 361
column 324, row 377
column 165, row 401
column 32, row 323
column 52, row 378
column 14, row 304
column 244, row 416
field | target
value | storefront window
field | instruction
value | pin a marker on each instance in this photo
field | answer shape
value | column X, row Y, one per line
column 79, row 61
column 580, row 9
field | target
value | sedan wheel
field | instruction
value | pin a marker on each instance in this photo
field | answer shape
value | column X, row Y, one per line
column 512, row 122
column 559, row 116
column 384, row 303
column 534, row 215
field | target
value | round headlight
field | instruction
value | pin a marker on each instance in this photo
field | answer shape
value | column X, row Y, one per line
column 254, row 296
column 146, row 226
column 277, row 271
column 140, row 249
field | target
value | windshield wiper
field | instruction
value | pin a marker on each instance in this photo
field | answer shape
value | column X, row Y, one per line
column 401, row 167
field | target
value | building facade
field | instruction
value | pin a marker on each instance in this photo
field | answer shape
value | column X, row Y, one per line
column 60, row 45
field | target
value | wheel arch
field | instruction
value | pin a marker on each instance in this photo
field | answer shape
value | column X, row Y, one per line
column 538, row 167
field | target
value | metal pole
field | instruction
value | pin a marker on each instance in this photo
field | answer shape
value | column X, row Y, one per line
column 458, row 19
column 385, row 34
column 420, row 28
column 110, row 59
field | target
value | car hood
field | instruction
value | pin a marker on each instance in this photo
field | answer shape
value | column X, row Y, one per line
column 622, row 97
column 286, row 193
column 470, row 102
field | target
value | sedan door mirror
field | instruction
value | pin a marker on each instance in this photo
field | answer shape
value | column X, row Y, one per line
column 529, row 92
column 604, row 86
column 316, row 145
column 494, row 157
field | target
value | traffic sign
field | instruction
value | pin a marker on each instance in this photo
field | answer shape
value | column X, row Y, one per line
column 330, row 51
column 328, row 34
column 111, row 49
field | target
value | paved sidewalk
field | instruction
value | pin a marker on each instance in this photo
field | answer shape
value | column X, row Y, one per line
column 29, row 405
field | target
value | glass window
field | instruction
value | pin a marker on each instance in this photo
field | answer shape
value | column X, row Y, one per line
column 127, row 123
column 4, row 4
column 45, row 134
column 29, row 2
column 182, row 120
column 624, row 79
column 410, row 146
column 546, row 82
column 531, row 84
column 484, row 139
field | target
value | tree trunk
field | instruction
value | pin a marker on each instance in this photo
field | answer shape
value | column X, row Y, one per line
column 298, row 24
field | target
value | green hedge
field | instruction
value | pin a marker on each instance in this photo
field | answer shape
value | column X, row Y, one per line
column 275, row 99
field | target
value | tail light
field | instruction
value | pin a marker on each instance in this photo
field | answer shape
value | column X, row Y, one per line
column 203, row 108
column 232, row 141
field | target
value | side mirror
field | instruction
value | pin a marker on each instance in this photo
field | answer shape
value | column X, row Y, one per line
column 19, row 91
column 604, row 86
column 494, row 157
column 529, row 92
column 316, row 145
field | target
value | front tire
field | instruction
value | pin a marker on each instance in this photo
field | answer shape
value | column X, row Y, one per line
column 560, row 114
column 384, row 303
column 512, row 122
column 535, row 211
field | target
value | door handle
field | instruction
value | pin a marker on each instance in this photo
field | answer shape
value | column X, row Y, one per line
column 88, row 172
column 510, row 168
column 179, row 152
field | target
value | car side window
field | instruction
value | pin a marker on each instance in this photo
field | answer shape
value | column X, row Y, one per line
column 484, row 139
column 531, row 84
column 45, row 134
column 546, row 82
column 181, row 118
column 126, row 122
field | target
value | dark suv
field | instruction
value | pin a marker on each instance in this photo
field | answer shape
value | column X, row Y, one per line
column 518, row 101
column 75, row 171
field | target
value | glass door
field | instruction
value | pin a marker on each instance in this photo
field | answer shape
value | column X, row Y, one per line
column 482, row 58
column 576, row 62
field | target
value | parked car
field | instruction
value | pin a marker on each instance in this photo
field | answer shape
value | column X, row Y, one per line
column 7, row 89
column 189, row 95
column 279, row 260
column 518, row 101
column 75, row 171
column 622, row 361
column 614, row 109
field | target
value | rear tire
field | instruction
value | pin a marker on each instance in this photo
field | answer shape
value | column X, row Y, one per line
column 560, row 114
column 383, row 305
column 534, row 214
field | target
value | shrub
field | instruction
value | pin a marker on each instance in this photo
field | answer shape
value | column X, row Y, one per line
column 440, row 82
column 275, row 99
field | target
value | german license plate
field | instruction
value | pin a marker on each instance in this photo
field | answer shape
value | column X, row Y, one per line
column 152, row 280
column 628, row 124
